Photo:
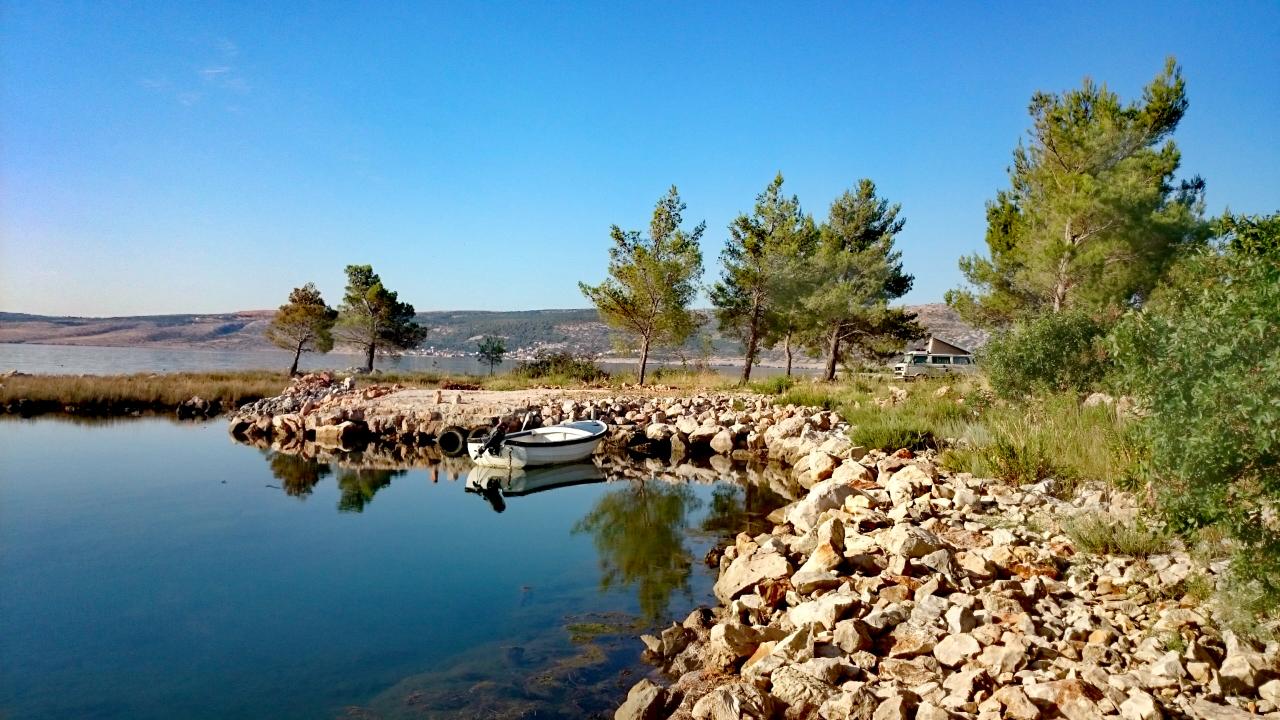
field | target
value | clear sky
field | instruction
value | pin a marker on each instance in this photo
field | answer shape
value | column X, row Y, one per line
column 201, row 157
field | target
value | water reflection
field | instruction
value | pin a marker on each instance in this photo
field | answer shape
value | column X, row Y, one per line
column 297, row 475
column 496, row 484
column 741, row 508
column 359, row 485
column 638, row 533
column 639, row 530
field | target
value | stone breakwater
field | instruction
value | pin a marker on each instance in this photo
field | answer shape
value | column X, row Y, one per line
column 891, row 590
column 316, row 409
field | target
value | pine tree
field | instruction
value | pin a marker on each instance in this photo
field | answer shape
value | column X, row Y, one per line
column 304, row 324
column 855, row 273
column 1093, row 215
column 373, row 319
column 752, row 296
column 652, row 280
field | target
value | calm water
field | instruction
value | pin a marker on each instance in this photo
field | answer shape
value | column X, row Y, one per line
column 153, row 569
column 74, row 360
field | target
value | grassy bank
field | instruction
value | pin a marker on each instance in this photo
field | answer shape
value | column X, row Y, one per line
column 123, row 394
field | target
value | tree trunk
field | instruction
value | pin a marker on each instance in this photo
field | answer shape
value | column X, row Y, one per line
column 1064, row 264
column 753, row 340
column 787, row 347
column 368, row 356
column 644, row 358
column 297, row 353
column 833, row 354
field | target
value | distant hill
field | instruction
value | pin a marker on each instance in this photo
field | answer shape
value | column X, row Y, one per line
column 452, row 332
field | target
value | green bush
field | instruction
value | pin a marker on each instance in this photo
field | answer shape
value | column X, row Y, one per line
column 560, row 364
column 1204, row 359
column 1049, row 353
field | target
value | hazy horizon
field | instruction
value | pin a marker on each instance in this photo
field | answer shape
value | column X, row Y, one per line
column 476, row 156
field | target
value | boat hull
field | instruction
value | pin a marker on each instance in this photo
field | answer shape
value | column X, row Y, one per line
column 556, row 445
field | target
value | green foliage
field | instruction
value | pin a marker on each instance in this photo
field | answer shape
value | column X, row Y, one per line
column 491, row 351
column 1093, row 215
column 1204, row 359
column 852, row 277
column 1048, row 353
column 761, row 267
column 559, row 364
column 776, row 385
column 304, row 324
column 373, row 319
column 652, row 280
column 1102, row 534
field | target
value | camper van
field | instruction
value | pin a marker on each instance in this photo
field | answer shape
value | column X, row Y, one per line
column 935, row 359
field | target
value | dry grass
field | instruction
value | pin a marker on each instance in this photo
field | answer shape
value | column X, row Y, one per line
column 1102, row 534
column 111, row 394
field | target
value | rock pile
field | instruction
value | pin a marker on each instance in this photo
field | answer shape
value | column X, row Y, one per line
column 317, row 408
column 891, row 590
column 315, row 404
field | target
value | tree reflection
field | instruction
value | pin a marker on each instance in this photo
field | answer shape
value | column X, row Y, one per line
column 297, row 475
column 358, row 486
column 740, row 508
column 639, row 534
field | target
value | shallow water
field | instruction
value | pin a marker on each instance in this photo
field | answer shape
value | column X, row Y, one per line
column 155, row 569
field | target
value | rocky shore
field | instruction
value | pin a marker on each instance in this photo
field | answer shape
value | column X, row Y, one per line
column 892, row 590
column 318, row 409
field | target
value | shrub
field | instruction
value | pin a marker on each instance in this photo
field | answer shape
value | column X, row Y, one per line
column 889, row 432
column 1053, row 352
column 1103, row 534
column 560, row 364
column 1204, row 359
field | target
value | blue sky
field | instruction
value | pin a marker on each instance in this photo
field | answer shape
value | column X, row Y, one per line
column 201, row 157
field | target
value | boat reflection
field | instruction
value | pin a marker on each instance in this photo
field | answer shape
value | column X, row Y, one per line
column 495, row 484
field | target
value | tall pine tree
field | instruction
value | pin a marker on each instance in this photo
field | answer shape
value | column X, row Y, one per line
column 652, row 280
column 1093, row 215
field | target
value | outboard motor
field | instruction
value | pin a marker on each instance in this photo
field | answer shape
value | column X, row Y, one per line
column 493, row 441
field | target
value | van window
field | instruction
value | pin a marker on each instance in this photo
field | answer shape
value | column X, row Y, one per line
column 961, row 361
column 940, row 359
column 918, row 359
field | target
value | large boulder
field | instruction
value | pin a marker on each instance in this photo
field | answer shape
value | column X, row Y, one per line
column 645, row 701
column 801, row 692
column 748, row 570
column 851, row 471
column 909, row 541
column 826, row 495
column 815, row 467
column 736, row 701
column 723, row 442
column 822, row 612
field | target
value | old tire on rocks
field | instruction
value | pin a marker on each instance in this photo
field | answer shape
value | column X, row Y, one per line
column 452, row 441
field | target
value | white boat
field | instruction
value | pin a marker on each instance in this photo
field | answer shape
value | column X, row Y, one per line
column 554, row 445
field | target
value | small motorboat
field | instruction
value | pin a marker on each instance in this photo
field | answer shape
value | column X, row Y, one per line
column 554, row 445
